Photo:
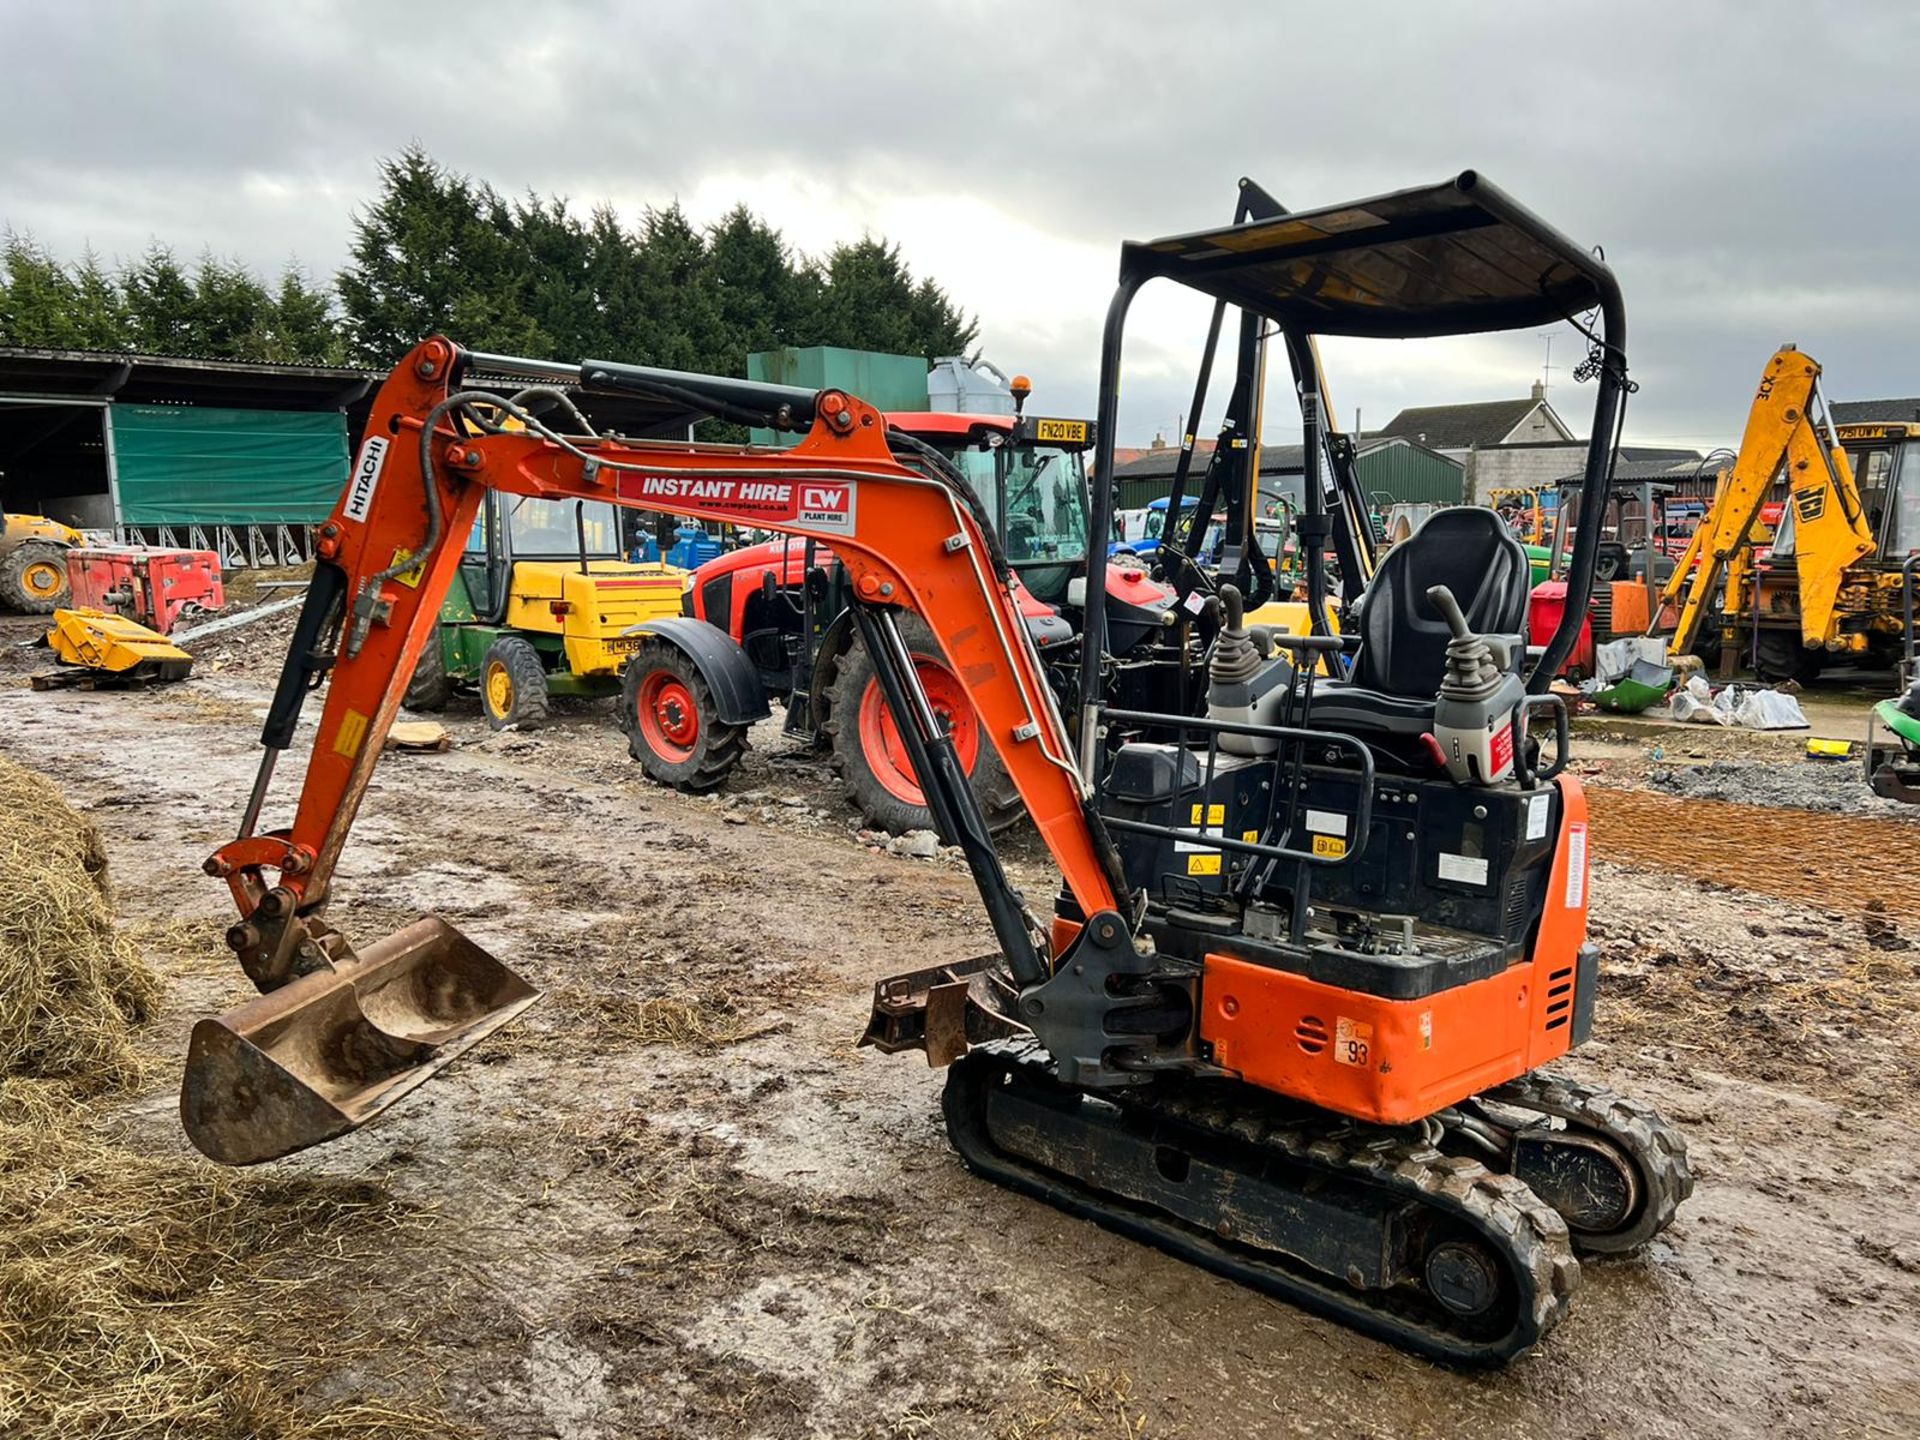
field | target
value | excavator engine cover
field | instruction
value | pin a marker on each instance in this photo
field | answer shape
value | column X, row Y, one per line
column 327, row 1052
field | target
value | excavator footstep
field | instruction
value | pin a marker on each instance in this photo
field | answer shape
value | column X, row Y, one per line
column 326, row 1053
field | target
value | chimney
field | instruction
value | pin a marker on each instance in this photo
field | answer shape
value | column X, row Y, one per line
column 1539, row 392
column 1159, row 441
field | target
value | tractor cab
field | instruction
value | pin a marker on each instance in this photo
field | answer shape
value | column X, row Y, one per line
column 1886, row 471
column 1031, row 475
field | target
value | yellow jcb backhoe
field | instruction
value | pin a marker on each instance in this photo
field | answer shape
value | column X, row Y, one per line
column 1784, row 606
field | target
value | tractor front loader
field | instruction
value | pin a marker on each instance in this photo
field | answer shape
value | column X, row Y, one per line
column 1316, row 934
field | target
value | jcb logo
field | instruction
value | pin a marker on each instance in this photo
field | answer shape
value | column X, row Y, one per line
column 1810, row 505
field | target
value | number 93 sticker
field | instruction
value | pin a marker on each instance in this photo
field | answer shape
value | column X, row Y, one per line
column 1352, row 1042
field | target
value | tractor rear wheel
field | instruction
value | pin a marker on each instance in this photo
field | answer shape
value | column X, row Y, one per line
column 513, row 685
column 431, row 687
column 667, row 710
column 33, row 578
column 871, row 758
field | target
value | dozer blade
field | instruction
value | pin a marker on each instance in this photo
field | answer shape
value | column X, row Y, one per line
column 943, row 1009
column 326, row 1053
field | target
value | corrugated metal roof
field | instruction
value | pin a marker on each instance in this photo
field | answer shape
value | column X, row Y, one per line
column 96, row 375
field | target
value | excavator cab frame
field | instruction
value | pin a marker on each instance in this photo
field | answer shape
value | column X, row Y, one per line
column 1459, row 258
column 1329, row 1133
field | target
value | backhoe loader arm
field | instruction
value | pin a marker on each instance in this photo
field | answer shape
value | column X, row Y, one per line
column 385, row 559
column 1831, row 532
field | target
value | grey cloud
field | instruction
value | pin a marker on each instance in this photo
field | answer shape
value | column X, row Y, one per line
column 1746, row 170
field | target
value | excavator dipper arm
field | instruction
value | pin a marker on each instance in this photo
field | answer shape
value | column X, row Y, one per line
column 339, row 1034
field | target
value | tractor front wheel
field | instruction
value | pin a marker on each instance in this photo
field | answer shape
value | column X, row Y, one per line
column 667, row 710
column 33, row 578
column 513, row 685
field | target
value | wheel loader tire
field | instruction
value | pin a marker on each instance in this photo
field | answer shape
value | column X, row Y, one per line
column 513, row 685
column 1779, row 656
column 430, row 688
column 667, row 710
column 872, row 762
column 33, row 578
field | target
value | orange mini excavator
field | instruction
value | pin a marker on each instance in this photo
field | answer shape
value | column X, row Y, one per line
column 1323, row 906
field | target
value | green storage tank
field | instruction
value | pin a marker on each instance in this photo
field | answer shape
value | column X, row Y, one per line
column 890, row 382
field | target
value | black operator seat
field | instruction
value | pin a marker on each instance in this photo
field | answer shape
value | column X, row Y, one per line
column 1388, row 699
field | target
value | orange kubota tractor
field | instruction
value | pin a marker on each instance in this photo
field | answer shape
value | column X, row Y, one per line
column 1315, row 935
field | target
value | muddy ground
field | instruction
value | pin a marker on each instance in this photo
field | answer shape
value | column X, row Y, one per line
column 677, row 1201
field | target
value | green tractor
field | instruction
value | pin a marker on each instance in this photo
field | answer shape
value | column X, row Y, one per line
column 544, row 604
column 1893, row 732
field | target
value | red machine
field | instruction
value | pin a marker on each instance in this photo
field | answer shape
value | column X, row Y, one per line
column 146, row 583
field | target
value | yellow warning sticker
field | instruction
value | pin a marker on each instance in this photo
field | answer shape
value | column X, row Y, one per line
column 353, row 730
column 1331, row 846
column 1216, row 815
column 1252, row 837
column 1352, row 1042
column 1203, row 864
column 410, row 578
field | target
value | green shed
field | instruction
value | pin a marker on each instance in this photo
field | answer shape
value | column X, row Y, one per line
column 1390, row 470
column 209, row 465
column 1399, row 471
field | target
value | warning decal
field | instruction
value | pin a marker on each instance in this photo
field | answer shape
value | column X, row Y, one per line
column 1576, row 866
column 824, row 505
column 353, row 730
column 1500, row 751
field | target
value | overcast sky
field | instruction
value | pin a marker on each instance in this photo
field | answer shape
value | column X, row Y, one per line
column 1748, row 167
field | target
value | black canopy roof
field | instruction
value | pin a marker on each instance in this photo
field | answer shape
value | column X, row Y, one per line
column 1451, row 259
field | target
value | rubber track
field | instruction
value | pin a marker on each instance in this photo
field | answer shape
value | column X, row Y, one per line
column 1499, row 1209
column 1658, row 1151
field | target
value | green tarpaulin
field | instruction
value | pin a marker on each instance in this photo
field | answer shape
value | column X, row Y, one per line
column 200, row 465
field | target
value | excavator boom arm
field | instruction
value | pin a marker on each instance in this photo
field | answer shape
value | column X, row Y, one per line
column 385, row 559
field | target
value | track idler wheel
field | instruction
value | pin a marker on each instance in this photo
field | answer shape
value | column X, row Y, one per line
column 1613, row 1168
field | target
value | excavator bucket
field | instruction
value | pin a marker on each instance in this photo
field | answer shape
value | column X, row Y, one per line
column 326, row 1053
